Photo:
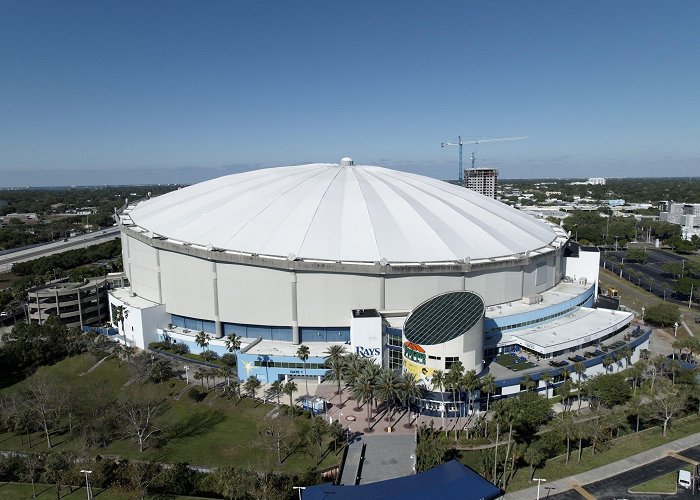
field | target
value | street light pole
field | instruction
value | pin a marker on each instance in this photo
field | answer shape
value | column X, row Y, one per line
column 87, row 483
column 187, row 375
column 539, row 480
column 675, row 328
column 299, row 488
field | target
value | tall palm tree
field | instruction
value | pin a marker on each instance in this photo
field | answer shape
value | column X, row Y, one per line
column 580, row 369
column 438, row 381
column 202, row 340
column 607, row 361
column 233, row 343
column 275, row 391
column 410, row 389
column 471, row 383
column 289, row 389
column 567, row 427
column 352, row 368
column 546, row 378
column 388, row 389
column 363, row 391
column 121, row 313
column 335, row 362
column 488, row 385
column 303, row 354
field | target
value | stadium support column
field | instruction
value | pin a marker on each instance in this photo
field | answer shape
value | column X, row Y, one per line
column 382, row 293
column 218, row 333
column 160, row 287
column 295, row 319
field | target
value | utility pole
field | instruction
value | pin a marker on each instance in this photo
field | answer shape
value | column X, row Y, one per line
column 690, row 300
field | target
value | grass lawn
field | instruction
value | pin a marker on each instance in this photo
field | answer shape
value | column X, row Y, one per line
column 21, row 491
column 223, row 433
column 623, row 447
column 666, row 484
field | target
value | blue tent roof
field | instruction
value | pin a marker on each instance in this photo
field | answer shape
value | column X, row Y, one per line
column 442, row 482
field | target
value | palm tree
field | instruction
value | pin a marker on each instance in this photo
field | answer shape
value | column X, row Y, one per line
column 303, row 354
column 410, row 389
column 438, row 381
column 546, row 377
column 352, row 368
column 363, row 391
column 388, row 389
column 471, row 383
column 202, row 340
column 117, row 351
column 567, row 427
column 289, row 389
column 335, row 361
column 580, row 369
column 233, row 343
column 275, row 391
column 488, row 385
column 251, row 386
column 607, row 361
column 650, row 282
column 121, row 313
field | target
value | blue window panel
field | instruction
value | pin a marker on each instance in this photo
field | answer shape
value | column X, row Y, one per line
column 177, row 320
column 281, row 333
column 255, row 331
column 209, row 326
column 312, row 334
column 338, row 334
column 234, row 328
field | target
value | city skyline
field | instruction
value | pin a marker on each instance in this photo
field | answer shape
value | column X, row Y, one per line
column 178, row 92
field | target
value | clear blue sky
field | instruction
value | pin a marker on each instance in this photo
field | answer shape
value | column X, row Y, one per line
column 143, row 91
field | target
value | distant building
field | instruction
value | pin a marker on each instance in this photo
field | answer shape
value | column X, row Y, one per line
column 482, row 180
column 596, row 181
column 687, row 215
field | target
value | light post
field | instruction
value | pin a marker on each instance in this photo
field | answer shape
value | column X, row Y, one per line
column 299, row 488
column 187, row 375
column 675, row 328
column 87, row 483
column 665, row 292
column 643, row 314
column 539, row 480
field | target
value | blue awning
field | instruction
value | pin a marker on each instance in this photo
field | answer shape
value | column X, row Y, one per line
column 447, row 481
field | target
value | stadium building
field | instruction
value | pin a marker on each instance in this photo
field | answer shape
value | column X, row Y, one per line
column 410, row 271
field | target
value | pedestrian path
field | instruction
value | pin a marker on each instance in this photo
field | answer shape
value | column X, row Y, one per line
column 352, row 463
column 609, row 470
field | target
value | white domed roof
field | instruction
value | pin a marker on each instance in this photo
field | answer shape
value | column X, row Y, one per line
column 355, row 213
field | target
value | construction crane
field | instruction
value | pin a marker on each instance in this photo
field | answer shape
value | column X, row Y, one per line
column 461, row 143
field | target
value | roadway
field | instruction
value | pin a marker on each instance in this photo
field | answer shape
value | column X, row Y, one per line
column 618, row 486
column 662, row 285
column 36, row 251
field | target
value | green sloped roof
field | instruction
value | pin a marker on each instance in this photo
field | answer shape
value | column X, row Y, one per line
column 443, row 318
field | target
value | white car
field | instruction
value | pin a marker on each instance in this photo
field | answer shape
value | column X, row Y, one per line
column 685, row 479
column 4, row 314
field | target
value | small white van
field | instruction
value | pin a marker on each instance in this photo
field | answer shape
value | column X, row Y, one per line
column 685, row 479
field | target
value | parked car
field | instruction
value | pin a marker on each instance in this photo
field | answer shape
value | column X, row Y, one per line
column 685, row 479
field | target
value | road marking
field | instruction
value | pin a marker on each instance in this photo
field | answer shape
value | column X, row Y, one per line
column 583, row 492
column 681, row 457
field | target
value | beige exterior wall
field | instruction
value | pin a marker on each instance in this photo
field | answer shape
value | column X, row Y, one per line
column 325, row 299
column 187, row 285
column 406, row 292
column 254, row 295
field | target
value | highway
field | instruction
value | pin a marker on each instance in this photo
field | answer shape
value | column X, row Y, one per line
column 36, row 251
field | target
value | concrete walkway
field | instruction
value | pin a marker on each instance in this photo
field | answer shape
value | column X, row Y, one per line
column 608, row 470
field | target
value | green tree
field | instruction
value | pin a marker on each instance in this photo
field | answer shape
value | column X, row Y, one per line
column 120, row 314
column 388, row 387
column 303, row 354
column 275, row 391
column 546, row 377
column 607, row 390
column 410, row 389
column 438, row 381
column 663, row 314
column 364, row 390
column 637, row 254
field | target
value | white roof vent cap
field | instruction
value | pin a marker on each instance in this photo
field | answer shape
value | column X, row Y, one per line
column 346, row 162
